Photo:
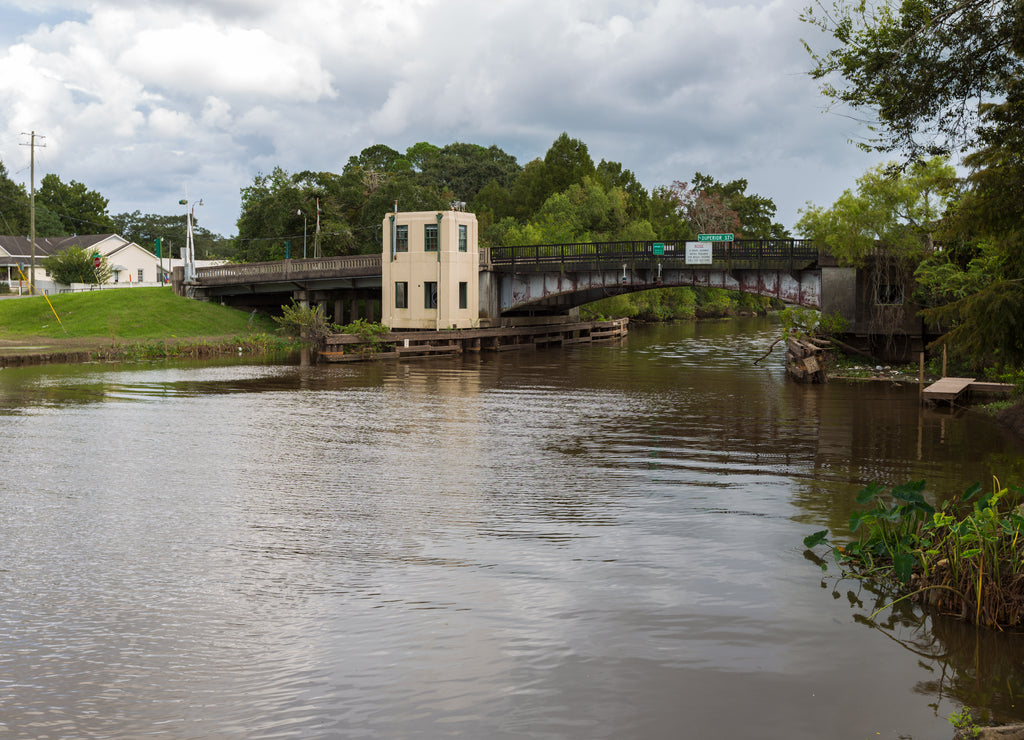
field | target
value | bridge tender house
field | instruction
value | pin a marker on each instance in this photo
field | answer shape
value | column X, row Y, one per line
column 430, row 271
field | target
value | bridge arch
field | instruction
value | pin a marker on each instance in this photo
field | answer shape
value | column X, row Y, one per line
column 551, row 279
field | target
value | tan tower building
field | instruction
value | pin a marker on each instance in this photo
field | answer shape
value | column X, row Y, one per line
column 430, row 270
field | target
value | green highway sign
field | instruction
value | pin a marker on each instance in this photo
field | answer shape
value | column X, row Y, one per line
column 658, row 248
column 714, row 237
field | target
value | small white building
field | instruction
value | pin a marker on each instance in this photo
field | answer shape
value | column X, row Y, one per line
column 131, row 265
column 430, row 270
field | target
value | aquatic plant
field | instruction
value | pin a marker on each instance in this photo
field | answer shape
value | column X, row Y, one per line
column 370, row 333
column 306, row 322
column 965, row 558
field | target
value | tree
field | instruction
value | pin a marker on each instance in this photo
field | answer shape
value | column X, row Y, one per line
column 978, row 296
column 144, row 228
column 530, row 189
column 889, row 226
column 891, row 213
column 755, row 212
column 583, row 212
column 614, row 175
column 667, row 218
column 921, row 66
column 465, row 169
column 567, row 162
column 372, row 183
column 80, row 210
column 269, row 209
column 76, row 265
column 491, row 204
column 14, row 210
column 946, row 75
column 706, row 212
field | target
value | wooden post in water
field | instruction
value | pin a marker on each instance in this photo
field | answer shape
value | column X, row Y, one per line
column 944, row 360
column 920, row 380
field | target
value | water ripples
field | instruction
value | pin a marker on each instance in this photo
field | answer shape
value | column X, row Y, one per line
column 597, row 542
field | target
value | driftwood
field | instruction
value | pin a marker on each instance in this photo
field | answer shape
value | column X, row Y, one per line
column 854, row 350
column 805, row 359
column 770, row 348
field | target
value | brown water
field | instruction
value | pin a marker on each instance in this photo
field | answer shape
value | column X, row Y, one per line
column 602, row 542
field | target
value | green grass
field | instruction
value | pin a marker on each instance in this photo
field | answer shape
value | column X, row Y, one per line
column 125, row 314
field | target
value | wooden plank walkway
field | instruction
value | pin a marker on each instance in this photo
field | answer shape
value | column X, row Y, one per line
column 947, row 389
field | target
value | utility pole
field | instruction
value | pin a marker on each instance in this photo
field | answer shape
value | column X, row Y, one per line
column 32, row 206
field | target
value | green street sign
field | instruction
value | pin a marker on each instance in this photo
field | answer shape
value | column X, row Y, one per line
column 714, row 237
column 658, row 248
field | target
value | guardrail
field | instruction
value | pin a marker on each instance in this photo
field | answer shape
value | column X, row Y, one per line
column 746, row 253
column 743, row 253
column 358, row 264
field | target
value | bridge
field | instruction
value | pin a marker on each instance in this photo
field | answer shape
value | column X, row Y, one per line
column 536, row 280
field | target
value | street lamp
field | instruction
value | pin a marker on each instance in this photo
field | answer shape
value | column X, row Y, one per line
column 303, row 233
column 189, row 258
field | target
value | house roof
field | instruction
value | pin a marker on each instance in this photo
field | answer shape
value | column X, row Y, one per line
column 16, row 249
column 21, row 246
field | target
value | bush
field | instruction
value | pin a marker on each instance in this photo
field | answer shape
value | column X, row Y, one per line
column 307, row 323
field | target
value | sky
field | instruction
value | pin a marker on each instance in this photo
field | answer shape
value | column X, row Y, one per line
column 146, row 102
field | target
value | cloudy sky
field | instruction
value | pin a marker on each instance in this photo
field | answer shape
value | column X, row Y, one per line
column 141, row 100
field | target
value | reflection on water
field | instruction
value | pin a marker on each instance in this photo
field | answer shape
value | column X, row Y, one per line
column 597, row 542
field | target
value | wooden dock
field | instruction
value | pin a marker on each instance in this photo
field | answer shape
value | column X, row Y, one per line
column 953, row 390
column 414, row 343
column 947, row 389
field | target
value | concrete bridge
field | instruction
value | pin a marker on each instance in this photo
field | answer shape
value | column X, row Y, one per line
column 545, row 280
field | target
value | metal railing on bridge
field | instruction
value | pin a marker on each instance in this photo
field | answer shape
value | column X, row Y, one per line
column 788, row 254
column 297, row 269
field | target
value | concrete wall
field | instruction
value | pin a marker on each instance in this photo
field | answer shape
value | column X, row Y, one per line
column 445, row 268
column 839, row 292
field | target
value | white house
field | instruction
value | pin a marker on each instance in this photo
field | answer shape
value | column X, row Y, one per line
column 131, row 264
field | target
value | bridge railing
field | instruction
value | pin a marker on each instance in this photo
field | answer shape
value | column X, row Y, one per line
column 288, row 269
column 741, row 253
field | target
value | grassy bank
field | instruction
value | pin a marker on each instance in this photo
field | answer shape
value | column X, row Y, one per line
column 130, row 322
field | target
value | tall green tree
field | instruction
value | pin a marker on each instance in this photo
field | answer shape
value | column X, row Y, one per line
column 465, row 169
column 945, row 75
column 373, row 182
column 80, row 210
column 667, row 218
column 891, row 212
column 567, row 162
column 270, row 208
column 14, row 215
column 614, row 175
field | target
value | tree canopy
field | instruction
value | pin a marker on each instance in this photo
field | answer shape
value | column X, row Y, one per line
column 941, row 76
column 889, row 211
column 919, row 67
column 79, row 209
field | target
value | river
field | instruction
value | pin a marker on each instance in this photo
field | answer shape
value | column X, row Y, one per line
column 596, row 542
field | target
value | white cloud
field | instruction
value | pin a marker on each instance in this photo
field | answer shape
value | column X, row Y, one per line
column 169, row 124
column 138, row 98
